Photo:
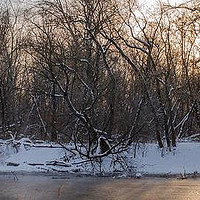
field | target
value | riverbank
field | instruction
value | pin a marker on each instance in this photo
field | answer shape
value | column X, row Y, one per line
column 142, row 160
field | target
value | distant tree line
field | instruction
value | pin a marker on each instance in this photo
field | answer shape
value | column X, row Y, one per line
column 83, row 70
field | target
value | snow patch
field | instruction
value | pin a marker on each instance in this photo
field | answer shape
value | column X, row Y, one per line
column 26, row 155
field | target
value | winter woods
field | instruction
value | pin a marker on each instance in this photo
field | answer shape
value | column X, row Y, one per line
column 90, row 70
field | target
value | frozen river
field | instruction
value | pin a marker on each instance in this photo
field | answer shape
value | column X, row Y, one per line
column 32, row 187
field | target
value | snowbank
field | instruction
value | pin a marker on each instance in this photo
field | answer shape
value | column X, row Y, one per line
column 183, row 159
column 25, row 155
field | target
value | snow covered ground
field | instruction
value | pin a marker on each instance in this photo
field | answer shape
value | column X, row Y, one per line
column 183, row 159
column 37, row 156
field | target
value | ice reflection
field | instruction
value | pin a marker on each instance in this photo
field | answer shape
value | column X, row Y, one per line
column 46, row 188
column 154, row 189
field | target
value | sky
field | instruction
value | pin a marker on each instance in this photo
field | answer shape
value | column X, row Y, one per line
column 151, row 3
